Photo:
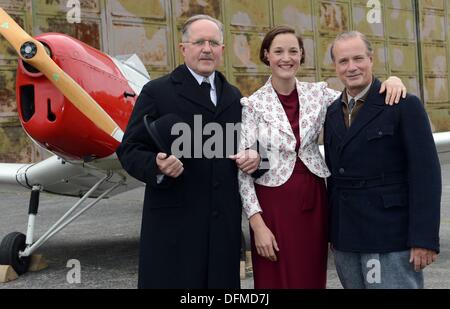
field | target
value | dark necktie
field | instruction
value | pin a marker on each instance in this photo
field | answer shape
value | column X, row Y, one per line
column 206, row 91
column 351, row 104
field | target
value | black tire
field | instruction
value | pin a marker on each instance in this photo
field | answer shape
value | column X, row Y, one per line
column 9, row 252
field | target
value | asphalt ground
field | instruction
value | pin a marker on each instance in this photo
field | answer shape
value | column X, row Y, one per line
column 105, row 241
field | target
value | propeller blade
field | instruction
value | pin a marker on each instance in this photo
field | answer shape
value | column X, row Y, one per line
column 33, row 52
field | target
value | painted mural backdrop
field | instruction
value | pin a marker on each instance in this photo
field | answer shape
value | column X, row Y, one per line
column 410, row 38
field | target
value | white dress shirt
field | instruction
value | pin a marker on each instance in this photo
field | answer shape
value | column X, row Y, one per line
column 210, row 79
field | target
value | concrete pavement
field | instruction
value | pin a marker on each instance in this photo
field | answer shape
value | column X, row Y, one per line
column 105, row 241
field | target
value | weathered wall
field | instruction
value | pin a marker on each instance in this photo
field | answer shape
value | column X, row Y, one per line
column 151, row 29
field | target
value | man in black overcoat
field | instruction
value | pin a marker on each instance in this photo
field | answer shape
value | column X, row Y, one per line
column 191, row 225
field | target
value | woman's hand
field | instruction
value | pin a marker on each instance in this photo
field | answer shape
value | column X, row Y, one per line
column 394, row 88
column 265, row 242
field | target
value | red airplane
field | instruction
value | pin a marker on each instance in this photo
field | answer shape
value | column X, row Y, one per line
column 74, row 101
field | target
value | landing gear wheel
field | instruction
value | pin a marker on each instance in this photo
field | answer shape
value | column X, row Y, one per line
column 9, row 252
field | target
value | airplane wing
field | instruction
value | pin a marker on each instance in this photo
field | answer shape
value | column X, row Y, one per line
column 8, row 176
column 61, row 177
column 442, row 141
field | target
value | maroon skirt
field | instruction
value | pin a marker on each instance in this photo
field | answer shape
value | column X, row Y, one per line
column 296, row 213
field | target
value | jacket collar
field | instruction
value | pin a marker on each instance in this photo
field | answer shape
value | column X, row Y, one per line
column 268, row 103
column 271, row 108
column 374, row 104
column 199, row 78
column 187, row 87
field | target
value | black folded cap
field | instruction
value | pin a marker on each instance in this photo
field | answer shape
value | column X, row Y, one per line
column 160, row 131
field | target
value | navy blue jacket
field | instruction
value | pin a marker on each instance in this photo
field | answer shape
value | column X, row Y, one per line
column 385, row 187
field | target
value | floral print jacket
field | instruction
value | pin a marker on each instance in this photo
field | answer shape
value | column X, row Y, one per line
column 264, row 120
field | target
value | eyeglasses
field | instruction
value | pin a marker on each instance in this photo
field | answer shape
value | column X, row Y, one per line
column 201, row 43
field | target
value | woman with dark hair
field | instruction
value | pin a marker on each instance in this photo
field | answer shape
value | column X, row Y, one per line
column 287, row 206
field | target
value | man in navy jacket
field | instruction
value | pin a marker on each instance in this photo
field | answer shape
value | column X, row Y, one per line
column 385, row 188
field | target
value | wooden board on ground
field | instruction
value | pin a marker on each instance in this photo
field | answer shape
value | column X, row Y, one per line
column 37, row 263
column 7, row 274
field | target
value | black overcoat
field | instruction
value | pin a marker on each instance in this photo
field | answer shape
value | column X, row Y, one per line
column 385, row 188
column 190, row 235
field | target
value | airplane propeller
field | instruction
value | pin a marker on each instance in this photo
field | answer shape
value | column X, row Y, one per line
column 33, row 52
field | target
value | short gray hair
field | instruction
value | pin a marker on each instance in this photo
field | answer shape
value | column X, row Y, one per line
column 350, row 35
column 191, row 20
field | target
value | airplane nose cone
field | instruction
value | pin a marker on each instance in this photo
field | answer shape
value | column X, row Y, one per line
column 28, row 50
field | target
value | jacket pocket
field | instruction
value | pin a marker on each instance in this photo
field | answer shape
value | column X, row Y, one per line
column 380, row 132
column 394, row 200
